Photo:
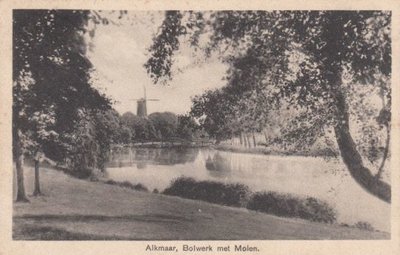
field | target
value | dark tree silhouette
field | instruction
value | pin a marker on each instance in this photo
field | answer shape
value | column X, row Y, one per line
column 51, row 82
column 299, row 57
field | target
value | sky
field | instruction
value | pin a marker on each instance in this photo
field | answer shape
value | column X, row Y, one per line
column 119, row 53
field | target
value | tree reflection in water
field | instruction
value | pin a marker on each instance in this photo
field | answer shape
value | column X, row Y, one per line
column 218, row 166
column 303, row 176
column 141, row 157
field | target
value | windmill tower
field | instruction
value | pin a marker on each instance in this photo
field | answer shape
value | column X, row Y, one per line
column 141, row 109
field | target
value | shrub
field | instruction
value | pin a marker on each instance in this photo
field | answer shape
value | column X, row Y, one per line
column 80, row 173
column 126, row 184
column 111, row 182
column 364, row 225
column 96, row 175
column 94, row 178
column 129, row 185
column 239, row 195
column 209, row 191
column 140, row 187
column 290, row 206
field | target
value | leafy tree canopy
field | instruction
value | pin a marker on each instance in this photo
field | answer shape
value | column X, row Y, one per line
column 303, row 59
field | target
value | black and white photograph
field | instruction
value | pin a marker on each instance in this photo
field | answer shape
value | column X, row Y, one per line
column 161, row 125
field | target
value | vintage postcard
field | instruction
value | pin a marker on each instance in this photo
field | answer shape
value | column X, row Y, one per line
column 211, row 127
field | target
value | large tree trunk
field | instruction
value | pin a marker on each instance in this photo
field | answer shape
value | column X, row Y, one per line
column 248, row 140
column 266, row 137
column 37, row 191
column 245, row 141
column 352, row 158
column 348, row 149
column 19, row 157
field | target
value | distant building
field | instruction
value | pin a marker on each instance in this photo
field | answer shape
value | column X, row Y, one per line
column 141, row 108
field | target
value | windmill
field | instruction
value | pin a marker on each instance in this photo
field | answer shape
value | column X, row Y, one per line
column 141, row 109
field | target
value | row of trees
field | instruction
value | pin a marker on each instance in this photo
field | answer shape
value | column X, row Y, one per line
column 56, row 110
column 305, row 61
column 158, row 126
column 224, row 114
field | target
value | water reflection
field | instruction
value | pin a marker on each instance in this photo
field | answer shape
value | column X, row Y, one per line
column 303, row 176
column 218, row 166
column 141, row 157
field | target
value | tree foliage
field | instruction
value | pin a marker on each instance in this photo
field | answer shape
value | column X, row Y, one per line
column 165, row 123
column 51, row 82
column 158, row 126
column 187, row 128
column 51, row 71
column 301, row 59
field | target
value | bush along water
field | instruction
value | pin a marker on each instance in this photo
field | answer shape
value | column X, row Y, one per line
column 364, row 225
column 209, row 191
column 239, row 195
column 129, row 185
column 290, row 206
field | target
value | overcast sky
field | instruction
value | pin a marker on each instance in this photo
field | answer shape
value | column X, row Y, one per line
column 119, row 53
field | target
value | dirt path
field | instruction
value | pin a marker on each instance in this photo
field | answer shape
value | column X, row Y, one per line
column 77, row 209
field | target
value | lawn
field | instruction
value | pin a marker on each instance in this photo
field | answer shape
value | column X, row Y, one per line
column 74, row 209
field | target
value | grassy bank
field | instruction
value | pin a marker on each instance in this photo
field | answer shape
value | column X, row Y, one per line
column 75, row 209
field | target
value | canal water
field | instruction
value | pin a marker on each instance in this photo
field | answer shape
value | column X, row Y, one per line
column 303, row 176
